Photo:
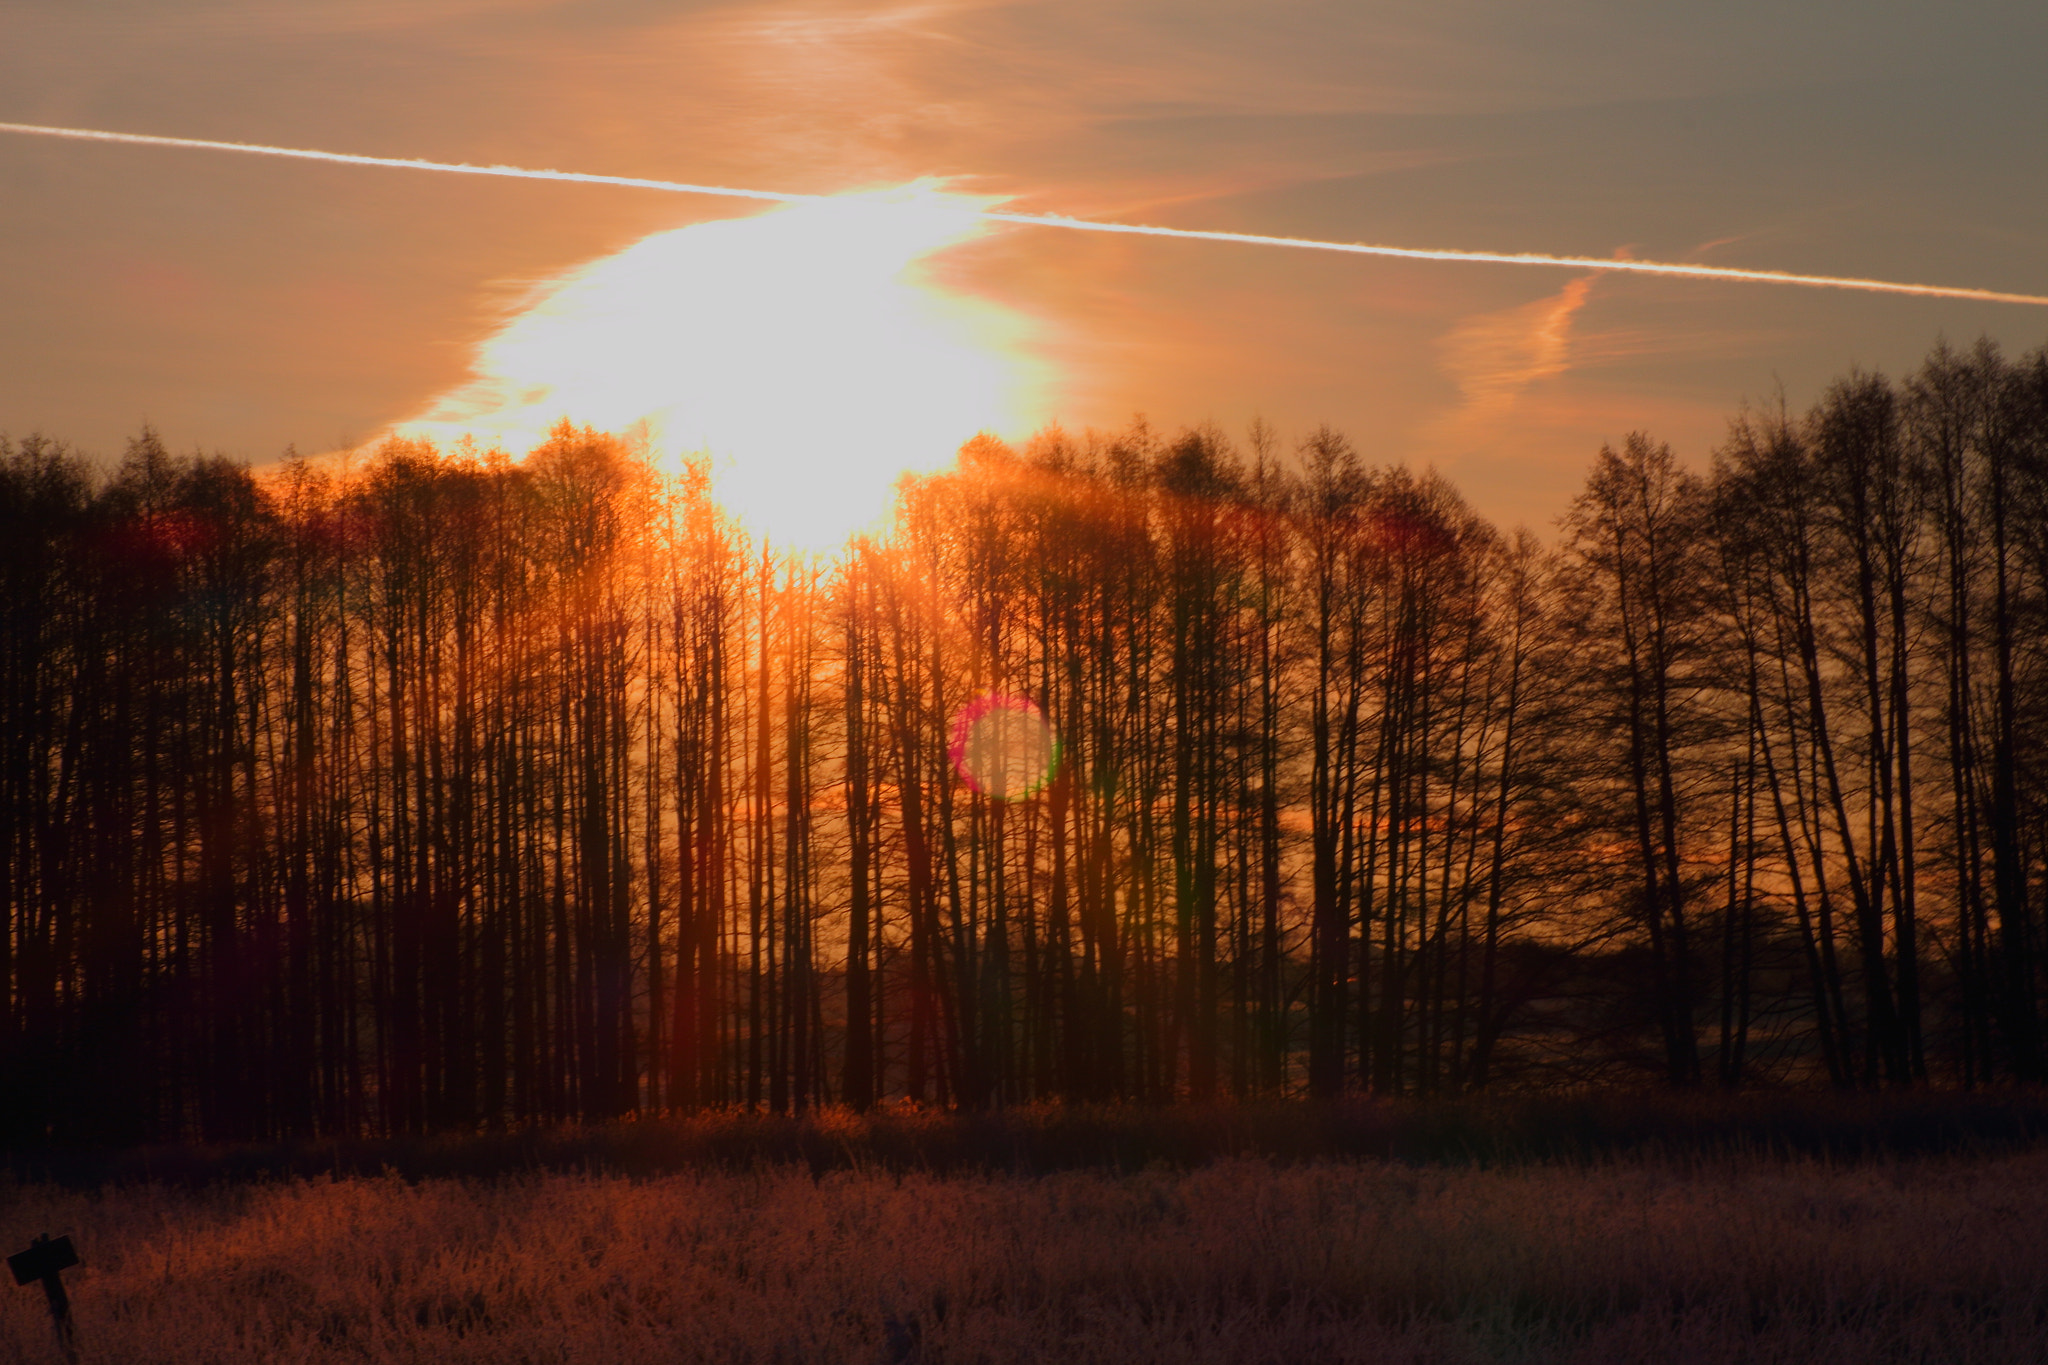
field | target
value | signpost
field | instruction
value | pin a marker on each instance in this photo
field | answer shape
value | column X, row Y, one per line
column 47, row 1261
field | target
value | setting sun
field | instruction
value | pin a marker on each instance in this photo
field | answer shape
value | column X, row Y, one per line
column 808, row 350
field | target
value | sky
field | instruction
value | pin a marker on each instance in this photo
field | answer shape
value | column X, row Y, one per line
column 246, row 304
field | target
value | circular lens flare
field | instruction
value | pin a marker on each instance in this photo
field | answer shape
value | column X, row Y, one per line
column 1004, row 747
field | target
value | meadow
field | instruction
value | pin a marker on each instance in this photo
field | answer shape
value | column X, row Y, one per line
column 1651, row 1250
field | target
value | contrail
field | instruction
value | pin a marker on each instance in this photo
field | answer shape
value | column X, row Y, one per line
column 1413, row 253
column 405, row 163
column 1675, row 268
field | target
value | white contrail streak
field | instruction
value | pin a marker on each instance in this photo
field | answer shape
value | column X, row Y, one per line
column 404, row 163
column 1413, row 253
column 1675, row 268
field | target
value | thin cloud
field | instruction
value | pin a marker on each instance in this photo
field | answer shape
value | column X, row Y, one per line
column 1494, row 357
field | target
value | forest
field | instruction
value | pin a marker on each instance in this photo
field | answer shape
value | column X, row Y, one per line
column 437, row 790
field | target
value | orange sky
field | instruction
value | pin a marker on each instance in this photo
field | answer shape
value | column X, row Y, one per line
column 242, row 304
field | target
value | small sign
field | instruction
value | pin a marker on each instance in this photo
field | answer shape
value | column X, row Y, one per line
column 47, row 1260
column 44, row 1257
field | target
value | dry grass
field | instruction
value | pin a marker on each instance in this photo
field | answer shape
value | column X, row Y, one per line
column 1935, row 1259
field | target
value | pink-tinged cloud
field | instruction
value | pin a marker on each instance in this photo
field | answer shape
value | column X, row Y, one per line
column 1494, row 357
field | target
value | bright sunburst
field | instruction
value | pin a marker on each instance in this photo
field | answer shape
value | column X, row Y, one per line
column 804, row 348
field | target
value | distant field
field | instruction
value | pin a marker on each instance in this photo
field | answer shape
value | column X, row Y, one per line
column 1242, row 1260
column 1036, row 1139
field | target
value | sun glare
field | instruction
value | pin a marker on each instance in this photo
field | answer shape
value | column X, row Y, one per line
column 809, row 350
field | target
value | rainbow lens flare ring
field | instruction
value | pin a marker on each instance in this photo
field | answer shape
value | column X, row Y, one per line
column 1004, row 747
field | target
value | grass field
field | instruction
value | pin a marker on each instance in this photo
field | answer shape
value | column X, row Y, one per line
column 1636, row 1257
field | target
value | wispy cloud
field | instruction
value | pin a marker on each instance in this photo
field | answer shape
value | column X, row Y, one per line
column 1495, row 356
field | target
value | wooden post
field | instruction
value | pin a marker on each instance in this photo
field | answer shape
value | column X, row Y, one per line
column 46, row 1260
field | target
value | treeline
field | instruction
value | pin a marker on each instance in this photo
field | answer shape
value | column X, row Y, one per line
column 447, row 791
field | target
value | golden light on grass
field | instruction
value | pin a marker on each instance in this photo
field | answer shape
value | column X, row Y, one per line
column 812, row 351
column 1239, row 1262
